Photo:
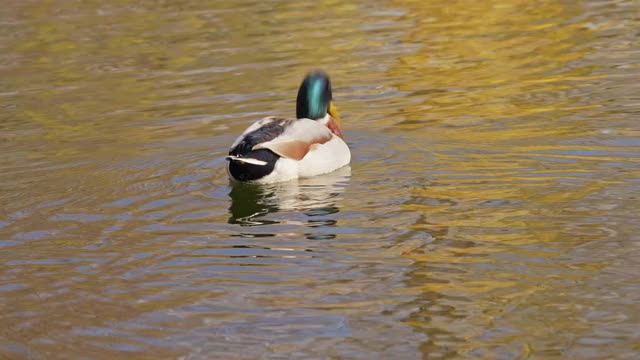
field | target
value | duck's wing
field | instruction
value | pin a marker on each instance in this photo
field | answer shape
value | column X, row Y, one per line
column 271, row 124
column 297, row 138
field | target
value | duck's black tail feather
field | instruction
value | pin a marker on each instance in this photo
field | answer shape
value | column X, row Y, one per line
column 253, row 165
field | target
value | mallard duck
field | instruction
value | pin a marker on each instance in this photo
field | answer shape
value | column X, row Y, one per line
column 278, row 149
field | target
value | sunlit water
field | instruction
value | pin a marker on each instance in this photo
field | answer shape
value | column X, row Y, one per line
column 490, row 210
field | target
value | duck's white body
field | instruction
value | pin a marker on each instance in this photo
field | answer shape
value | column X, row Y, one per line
column 324, row 159
column 276, row 149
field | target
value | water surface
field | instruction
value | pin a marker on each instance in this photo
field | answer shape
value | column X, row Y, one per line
column 490, row 210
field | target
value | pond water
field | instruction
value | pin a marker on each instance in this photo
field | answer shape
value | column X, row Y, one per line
column 490, row 209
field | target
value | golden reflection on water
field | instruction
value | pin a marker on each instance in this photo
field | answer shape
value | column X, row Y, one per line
column 474, row 65
column 489, row 210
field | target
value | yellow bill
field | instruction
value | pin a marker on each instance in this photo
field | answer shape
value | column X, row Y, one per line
column 333, row 111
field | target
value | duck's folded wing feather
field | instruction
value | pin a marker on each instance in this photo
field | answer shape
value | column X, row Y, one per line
column 297, row 139
column 256, row 126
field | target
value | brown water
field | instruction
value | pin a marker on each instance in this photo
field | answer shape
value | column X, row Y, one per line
column 490, row 211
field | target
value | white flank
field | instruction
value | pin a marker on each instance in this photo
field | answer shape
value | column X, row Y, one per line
column 322, row 159
column 285, row 169
column 325, row 158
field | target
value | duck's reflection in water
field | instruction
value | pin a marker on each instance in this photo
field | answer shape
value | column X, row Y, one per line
column 316, row 196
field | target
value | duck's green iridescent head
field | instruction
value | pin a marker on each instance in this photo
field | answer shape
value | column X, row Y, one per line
column 314, row 96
